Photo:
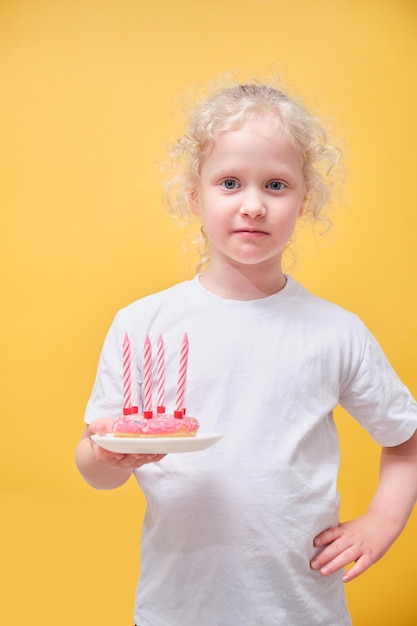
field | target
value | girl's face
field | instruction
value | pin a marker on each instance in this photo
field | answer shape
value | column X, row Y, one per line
column 250, row 194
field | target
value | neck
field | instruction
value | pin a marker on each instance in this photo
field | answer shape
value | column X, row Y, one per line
column 247, row 283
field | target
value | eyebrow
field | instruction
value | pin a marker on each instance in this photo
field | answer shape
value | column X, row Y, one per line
column 233, row 171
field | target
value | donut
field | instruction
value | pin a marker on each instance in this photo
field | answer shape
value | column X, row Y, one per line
column 160, row 425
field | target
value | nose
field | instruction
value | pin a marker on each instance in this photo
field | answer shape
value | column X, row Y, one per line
column 253, row 205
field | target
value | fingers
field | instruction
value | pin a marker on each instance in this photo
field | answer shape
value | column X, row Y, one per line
column 135, row 461
column 101, row 426
column 360, row 542
column 125, row 461
column 328, row 536
column 338, row 551
column 360, row 566
column 338, row 556
column 361, row 563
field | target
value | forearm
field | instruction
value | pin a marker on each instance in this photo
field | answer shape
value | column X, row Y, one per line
column 396, row 493
column 364, row 540
column 98, row 474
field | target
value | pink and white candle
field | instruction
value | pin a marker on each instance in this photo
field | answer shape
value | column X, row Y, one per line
column 134, row 391
column 160, row 375
column 147, row 379
column 182, row 377
column 127, row 382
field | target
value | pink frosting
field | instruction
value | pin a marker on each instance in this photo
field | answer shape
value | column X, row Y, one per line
column 160, row 425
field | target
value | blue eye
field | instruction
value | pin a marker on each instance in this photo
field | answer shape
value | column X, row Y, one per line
column 230, row 184
column 275, row 185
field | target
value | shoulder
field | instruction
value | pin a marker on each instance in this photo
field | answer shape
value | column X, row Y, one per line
column 323, row 313
column 152, row 302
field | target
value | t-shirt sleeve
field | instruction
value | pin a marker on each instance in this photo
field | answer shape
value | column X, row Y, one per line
column 106, row 399
column 375, row 396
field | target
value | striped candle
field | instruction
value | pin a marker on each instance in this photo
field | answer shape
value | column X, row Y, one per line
column 160, row 375
column 147, row 378
column 134, row 392
column 182, row 377
column 127, row 383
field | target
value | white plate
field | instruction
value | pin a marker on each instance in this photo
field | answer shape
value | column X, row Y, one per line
column 156, row 445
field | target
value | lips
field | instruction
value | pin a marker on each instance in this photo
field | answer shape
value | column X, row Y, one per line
column 250, row 232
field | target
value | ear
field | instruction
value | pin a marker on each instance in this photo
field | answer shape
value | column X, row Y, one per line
column 301, row 209
column 192, row 195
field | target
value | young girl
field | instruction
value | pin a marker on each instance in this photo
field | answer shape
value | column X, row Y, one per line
column 247, row 531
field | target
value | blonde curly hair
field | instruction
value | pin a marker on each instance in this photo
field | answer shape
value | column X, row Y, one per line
column 228, row 109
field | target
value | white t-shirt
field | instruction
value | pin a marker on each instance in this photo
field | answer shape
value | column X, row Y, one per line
column 228, row 532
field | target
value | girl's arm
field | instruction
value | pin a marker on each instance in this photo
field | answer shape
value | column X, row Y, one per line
column 366, row 539
column 103, row 469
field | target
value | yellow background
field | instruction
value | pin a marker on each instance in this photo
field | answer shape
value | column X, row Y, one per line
column 86, row 104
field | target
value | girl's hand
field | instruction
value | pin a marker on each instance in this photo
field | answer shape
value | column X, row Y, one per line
column 362, row 541
column 104, row 425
